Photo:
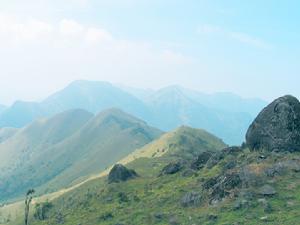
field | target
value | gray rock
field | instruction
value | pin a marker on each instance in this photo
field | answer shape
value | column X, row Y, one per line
column 173, row 220
column 267, row 190
column 191, row 199
column 232, row 150
column 275, row 170
column 277, row 127
column 120, row 173
column 188, row 173
column 201, row 160
column 215, row 159
column 171, row 168
column 293, row 165
column 212, row 217
column 223, row 185
column 229, row 165
column 241, row 204
column 159, row 216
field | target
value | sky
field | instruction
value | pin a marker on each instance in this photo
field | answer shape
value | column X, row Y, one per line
column 250, row 48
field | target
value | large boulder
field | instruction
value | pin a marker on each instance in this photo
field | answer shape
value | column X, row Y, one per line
column 120, row 173
column 277, row 127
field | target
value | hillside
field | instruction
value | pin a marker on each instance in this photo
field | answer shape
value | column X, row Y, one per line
column 188, row 177
column 20, row 114
column 183, row 143
column 6, row 133
column 225, row 115
column 20, row 152
column 56, row 152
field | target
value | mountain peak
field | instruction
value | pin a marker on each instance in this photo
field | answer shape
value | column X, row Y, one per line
column 88, row 83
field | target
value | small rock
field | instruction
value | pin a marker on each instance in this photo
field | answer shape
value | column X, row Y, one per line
column 268, row 208
column 210, row 183
column 191, row 199
column 264, row 218
column 294, row 165
column 201, row 160
column 267, row 190
column 230, row 165
column 232, row 150
column 188, row 173
column 158, row 216
column 120, row 173
column 241, row 204
column 215, row 159
column 276, row 170
column 173, row 221
column 212, row 217
column 262, row 157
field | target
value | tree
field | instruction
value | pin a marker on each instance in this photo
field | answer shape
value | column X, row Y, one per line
column 28, row 200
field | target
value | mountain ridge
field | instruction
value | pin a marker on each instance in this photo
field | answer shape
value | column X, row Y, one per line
column 54, row 155
column 228, row 116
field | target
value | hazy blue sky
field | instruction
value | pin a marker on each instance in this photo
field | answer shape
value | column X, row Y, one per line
column 248, row 47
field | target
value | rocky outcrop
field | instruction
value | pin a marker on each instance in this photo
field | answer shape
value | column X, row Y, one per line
column 191, row 199
column 201, row 160
column 120, row 173
column 277, row 127
column 171, row 168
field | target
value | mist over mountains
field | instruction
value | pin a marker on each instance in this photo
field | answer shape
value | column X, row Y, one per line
column 224, row 114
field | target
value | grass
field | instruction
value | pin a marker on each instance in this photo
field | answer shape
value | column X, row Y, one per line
column 152, row 199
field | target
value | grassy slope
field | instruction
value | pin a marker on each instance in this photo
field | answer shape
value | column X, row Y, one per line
column 184, row 142
column 6, row 133
column 18, row 164
column 103, row 141
column 154, row 200
column 57, row 162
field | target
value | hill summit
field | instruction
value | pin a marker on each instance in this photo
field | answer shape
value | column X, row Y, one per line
column 277, row 127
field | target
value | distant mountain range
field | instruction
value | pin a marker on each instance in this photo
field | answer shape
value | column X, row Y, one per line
column 224, row 114
column 52, row 153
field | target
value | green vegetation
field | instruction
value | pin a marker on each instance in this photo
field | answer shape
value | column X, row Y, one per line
column 53, row 153
column 188, row 196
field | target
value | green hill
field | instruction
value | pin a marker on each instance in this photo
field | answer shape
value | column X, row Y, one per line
column 19, row 152
column 52, row 153
column 183, row 143
column 231, row 186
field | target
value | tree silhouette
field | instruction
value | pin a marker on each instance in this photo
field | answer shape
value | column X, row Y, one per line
column 28, row 200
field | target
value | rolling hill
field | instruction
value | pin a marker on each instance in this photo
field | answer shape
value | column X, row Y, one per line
column 190, row 177
column 182, row 143
column 52, row 153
